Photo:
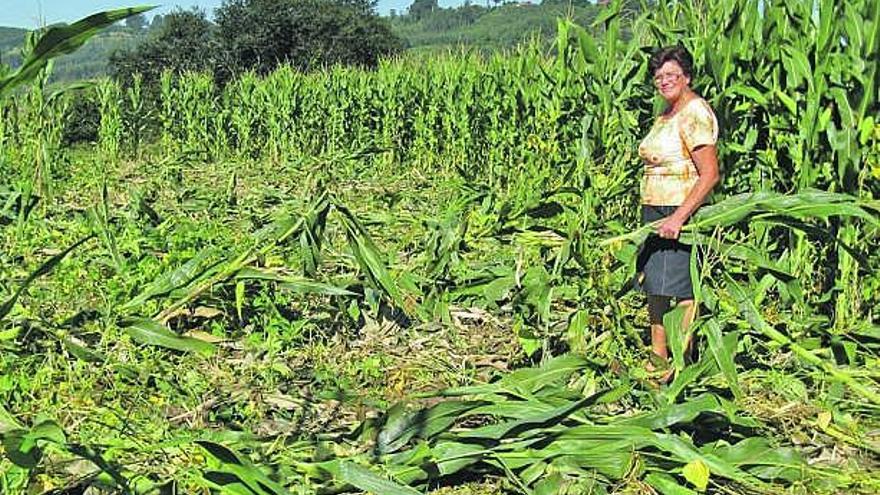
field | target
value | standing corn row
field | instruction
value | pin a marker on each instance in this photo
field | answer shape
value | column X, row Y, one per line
column 790, row 86
column 111, row 127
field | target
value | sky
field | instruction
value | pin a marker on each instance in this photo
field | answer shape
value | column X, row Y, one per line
column 34, row 13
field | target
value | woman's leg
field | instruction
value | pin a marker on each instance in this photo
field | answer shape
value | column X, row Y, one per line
column 657, row 307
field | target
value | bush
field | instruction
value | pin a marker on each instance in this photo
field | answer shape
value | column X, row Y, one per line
column 83, row 118
column 259, row 35
column 183, row 42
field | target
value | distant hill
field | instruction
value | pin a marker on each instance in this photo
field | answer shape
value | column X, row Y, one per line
column 91, row 61
column 494, row 28
column 11, row 39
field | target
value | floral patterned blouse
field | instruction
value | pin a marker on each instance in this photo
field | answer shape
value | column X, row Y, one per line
column 670, row 173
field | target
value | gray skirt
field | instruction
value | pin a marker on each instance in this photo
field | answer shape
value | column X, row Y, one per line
column 665, row 263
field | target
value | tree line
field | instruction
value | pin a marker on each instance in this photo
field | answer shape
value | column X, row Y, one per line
column 259, row 35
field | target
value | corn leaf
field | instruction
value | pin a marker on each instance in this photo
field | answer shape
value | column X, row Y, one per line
column 151, row 332
column 39, row 272
column 723, row 355
column 60, row 40
column 365, row 479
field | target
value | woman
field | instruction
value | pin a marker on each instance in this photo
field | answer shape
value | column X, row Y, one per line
column 681, row 168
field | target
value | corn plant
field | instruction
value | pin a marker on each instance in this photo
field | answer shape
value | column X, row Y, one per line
column 138, row 115
column 111, row 128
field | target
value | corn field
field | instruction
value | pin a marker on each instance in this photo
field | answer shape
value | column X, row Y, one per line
column 417, row 279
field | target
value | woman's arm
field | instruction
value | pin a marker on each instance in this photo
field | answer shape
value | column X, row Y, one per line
column 706, row 161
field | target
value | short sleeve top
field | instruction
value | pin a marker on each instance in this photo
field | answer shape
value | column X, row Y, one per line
column 670, row 173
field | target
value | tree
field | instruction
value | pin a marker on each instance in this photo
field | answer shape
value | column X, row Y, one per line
column 261, row 34
column 184, row 42
column 419, row 8
column 367, row 6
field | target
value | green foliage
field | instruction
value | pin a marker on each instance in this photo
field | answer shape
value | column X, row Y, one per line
column 545, row 427
column 260, row 35
column 83, row 118
column 184, row 42
column 422, row 8
column 42, row 48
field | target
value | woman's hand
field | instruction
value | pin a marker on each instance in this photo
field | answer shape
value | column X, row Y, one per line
column 706, row 161
column 670, row 228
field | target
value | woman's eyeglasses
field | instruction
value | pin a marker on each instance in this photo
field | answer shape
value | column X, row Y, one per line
column 670, row 77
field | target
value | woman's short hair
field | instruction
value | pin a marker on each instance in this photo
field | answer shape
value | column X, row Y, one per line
column 677, row 54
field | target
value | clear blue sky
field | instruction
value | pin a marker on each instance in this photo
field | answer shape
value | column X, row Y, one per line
column 30, row 13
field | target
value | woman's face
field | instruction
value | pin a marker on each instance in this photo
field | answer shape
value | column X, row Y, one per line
column 670, row 80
